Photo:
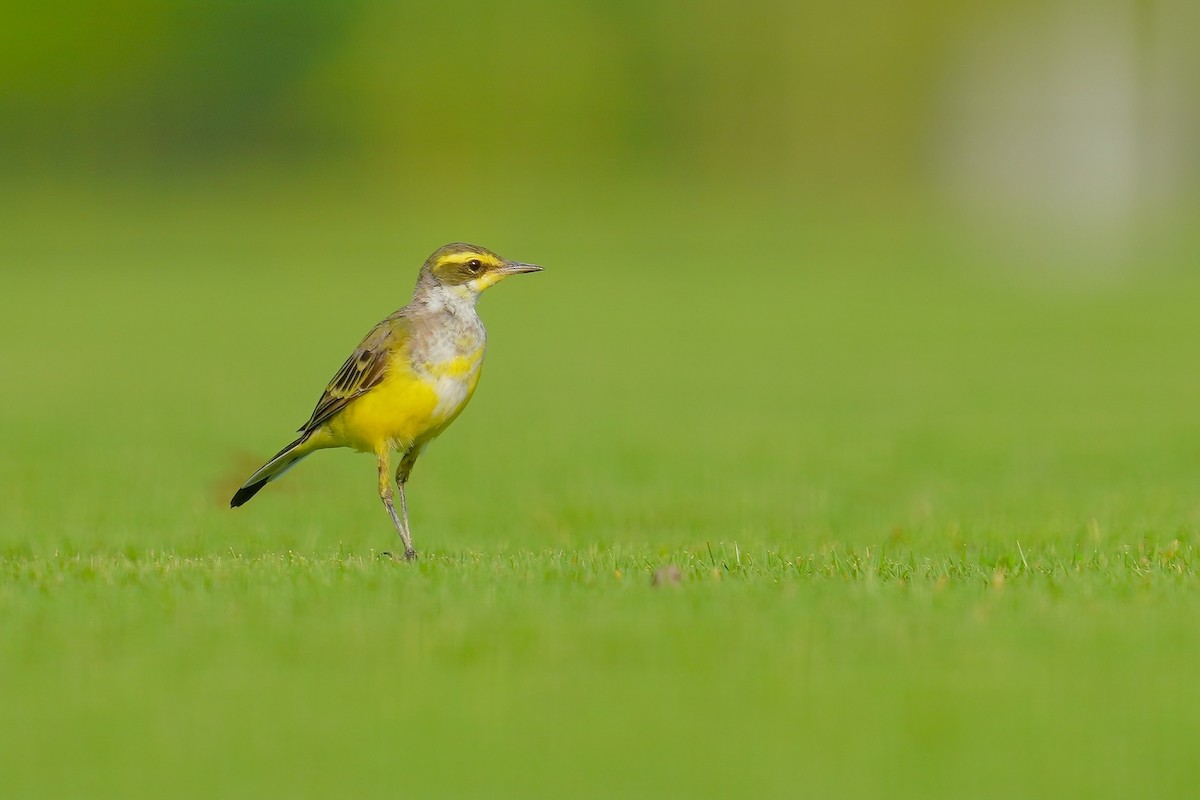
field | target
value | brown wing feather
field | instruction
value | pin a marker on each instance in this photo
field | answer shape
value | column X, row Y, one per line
column 363, row 370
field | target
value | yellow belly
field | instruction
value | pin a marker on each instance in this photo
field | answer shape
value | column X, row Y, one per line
column 405, row 408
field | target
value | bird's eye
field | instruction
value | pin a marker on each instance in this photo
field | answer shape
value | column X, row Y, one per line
column 474, row 265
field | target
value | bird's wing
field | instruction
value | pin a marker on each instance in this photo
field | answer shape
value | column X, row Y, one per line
column 363, row 370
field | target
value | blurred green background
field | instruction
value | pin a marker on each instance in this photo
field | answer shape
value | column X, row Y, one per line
column 1042, row 100
column 877, row 319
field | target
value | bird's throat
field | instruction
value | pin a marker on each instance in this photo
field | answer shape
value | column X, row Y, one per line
column 458, row 300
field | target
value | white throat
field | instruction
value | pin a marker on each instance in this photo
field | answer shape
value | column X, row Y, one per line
column 458, row 300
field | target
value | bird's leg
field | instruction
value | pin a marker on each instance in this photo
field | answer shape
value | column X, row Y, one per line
column 402, row 473
column 385, row 494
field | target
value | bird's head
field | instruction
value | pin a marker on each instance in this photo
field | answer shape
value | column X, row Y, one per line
column 467, row 269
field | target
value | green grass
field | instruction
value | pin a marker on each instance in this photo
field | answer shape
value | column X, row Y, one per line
column 937, row 524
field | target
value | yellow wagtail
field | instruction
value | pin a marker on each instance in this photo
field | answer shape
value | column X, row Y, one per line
column 408, row 379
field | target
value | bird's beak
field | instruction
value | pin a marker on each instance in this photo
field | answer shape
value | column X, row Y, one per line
column 517, row 267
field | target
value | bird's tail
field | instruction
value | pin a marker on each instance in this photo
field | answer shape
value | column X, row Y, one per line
column 284, row 460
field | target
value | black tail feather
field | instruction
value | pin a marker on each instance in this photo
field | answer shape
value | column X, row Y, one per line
column 280, row 463
column 246, row 492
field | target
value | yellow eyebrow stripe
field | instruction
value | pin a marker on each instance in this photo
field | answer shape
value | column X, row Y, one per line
column 458, row 259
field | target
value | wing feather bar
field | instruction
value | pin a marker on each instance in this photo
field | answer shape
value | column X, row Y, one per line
column 360, row 373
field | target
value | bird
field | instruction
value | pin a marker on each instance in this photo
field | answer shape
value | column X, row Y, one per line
column 409, row 378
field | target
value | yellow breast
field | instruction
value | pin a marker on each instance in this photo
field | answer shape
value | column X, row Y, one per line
column 408, row 406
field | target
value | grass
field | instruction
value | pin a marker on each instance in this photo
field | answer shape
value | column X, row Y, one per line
column 935, row 528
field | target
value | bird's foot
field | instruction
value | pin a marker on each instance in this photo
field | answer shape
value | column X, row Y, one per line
column 410, row 554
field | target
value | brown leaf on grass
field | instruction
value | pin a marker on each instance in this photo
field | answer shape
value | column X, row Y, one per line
column 669, row 574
